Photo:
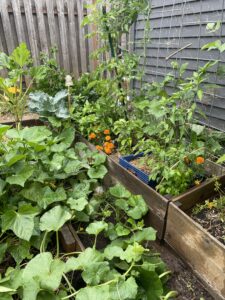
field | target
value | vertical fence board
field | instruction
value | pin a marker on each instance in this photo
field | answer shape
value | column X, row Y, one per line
column 32, row 32
column 41, row 26
column 6, row 25
column 18, row 21
column 63, row 34
column 83, row 50
column 73, row 38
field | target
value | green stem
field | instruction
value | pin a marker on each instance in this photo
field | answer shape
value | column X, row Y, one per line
column 57, row 244
column 42, row 247
column 71, row 288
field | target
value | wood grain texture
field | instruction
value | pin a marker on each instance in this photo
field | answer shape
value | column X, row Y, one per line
column 198, row 248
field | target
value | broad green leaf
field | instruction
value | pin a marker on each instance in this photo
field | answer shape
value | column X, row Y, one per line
column 133, row 253
column 20, row 251
column 124, row 290
column 94, row 293
column 21, row 222
column 95, row 272
column 99, row 159
column 78, row 204
column 112, row 251
column 198, row 129
column 73, row 167
column 146, row 234
column 121, row 230
column 84, row 259
column 54, row 219
column 66, row 138
column 21, row 55
column 151, row 283
column 43, row 196
column 3, row 248
column 96, row 227
column 212, row 45
column 119, row 191
column 97, row 172
column 2, row 186
column 45, row 270
column 57, row 162
column 139, row 209
column 21, row 177
column 122, row 204
column 12, row 158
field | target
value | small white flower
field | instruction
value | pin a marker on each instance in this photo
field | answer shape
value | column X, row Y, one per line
column 69, row 81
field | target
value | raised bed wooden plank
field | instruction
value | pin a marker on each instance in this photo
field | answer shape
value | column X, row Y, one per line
column 70, row 240
column 200, row 250
column 157, row 204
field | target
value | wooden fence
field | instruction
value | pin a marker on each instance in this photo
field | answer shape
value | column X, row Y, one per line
column 43, row 24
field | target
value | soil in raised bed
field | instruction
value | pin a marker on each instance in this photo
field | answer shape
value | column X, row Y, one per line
column 210, row 219
column 141, row 164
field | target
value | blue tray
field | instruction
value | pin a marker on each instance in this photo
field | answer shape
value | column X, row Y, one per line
column 124, row 161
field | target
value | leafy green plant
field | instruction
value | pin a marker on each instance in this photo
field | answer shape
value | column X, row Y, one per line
column 19, row 66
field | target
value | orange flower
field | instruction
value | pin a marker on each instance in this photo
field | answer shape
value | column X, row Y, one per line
column 106, row 131
column 99, row 148
column 108, row 138
column 107, row 150
column 92, row 136
column 200, row 160
column 13, row 90
column 111, row 145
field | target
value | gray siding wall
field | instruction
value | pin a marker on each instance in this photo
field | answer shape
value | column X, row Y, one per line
column 175, row 24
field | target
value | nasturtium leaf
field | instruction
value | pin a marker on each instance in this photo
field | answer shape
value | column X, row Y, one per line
column 124, row 289
column 97, row 172
column 21, row 177
column 112, row 251
column 84, row 259
column 94, row 293
column 146, row 234
column 21, row 222
column 45, row 271
column 54, row 219
column 96, row 227
column 133, row 253
column 95, row 272
column 78, row 204
column 119, row 191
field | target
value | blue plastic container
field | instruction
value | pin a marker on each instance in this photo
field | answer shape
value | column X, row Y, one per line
column 124, row 161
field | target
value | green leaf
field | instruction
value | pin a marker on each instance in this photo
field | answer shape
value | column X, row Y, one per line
column 95, row 272
column 21, row 55
column 200, row 94
column 198, row 129
column 121, row 230
column 20, row 222
column 43, row 196
column 119, row 191
column 124, row 290
column 221, row 159
column 4, row 289
column 11, row 159
column 139, row 209
column 99, row 159
column 146, row 234
column 213, row 45
column 66, row 138
column 54, row 219
column 94, row 293
column 73, row 167
column 98, row 172
column 112, row 251
column 20, row 251
column 133, row 253
column 151, row 283
column 90, row 255
column 21, row 177
column 3, row 248
column 78, row 204
column 96, row 227
column 45, row 270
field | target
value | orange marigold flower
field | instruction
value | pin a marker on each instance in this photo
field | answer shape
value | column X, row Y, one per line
column 107, row 150
column 111, row 145
column 200, row 160
column 106, row 131
column 13, row 90
column 92, row 136
column 108, row 138
column 99, row 148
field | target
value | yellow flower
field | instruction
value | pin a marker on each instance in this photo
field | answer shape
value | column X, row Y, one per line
column 13, row 90
column 210, row 205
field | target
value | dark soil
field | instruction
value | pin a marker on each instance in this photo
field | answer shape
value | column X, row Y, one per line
column 210, row 219
column 141, row 164
column 183, row 279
